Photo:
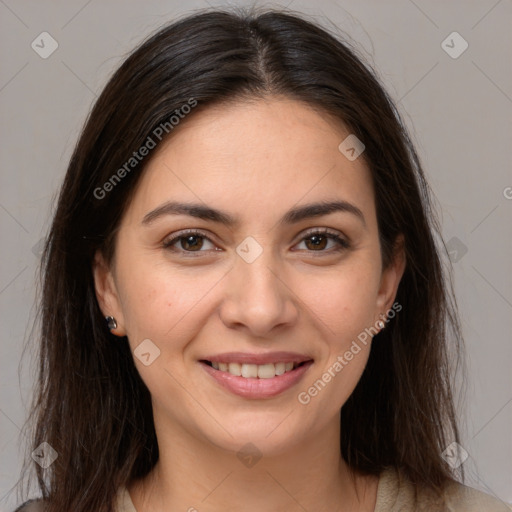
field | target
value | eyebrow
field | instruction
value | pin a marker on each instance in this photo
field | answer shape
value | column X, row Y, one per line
column 292, row 216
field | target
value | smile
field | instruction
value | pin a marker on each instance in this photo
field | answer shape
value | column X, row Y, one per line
column 256, row 381
column 253, row 371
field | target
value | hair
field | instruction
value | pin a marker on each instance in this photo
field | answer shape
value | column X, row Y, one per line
column 90, row 404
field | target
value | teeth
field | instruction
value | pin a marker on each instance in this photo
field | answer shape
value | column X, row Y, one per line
column 235, row 369
column 280, row 368
column 253, row 371
column 250, row 371
column 266, row 371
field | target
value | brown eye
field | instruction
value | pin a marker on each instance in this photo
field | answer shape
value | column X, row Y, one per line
column 317, row 241
column 189, row 241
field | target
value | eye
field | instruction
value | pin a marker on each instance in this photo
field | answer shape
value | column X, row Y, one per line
column 191, row 241
column 317, row 239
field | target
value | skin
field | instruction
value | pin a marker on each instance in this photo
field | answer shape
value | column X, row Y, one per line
column 254, row 159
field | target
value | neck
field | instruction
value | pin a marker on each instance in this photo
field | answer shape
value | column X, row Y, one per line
column 193, row 474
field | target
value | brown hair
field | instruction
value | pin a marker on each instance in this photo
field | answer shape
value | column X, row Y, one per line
column 91, row 405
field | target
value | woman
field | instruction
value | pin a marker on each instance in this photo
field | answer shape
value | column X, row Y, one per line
column 244, row 307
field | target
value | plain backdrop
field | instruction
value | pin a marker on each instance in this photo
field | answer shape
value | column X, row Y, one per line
column 458, row 107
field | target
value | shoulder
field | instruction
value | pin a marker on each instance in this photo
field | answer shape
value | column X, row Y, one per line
column 123, row 503
column 31, row 506
column 397, row 494
column 466, row 499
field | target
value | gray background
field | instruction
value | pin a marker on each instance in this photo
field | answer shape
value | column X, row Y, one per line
column 458, row 110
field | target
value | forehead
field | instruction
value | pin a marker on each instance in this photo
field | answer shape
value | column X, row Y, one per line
column 255, row 158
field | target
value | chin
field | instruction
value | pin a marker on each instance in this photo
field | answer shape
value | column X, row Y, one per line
column 259, row 439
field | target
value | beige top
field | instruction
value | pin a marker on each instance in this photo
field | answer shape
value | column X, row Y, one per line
column 396, row 496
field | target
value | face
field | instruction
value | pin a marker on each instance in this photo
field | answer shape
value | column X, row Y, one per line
column 276, row 285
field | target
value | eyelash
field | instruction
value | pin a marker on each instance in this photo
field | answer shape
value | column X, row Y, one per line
column 343, row 244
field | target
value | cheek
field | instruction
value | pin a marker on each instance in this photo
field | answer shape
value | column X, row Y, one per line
column 344, row 305
column 346, row 311
column 344, row 302
column 161, row 303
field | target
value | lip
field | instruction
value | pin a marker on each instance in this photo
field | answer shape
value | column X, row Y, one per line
column 255, row 388
column 263, row 358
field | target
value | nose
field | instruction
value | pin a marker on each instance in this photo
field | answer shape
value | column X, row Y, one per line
column 257, row 298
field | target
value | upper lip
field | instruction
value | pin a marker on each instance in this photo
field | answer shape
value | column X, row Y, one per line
column 266, row 358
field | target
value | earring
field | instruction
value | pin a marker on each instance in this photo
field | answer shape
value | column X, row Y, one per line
column 111, row 322
column 381, row 325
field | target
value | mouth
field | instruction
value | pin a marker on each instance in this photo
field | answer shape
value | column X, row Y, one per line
column 254, row 376
column 255, row 371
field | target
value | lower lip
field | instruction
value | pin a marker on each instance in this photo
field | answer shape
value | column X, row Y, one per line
column 255, row 387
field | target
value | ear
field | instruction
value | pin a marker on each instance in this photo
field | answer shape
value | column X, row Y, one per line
column 106, row 292
column 391, row 277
